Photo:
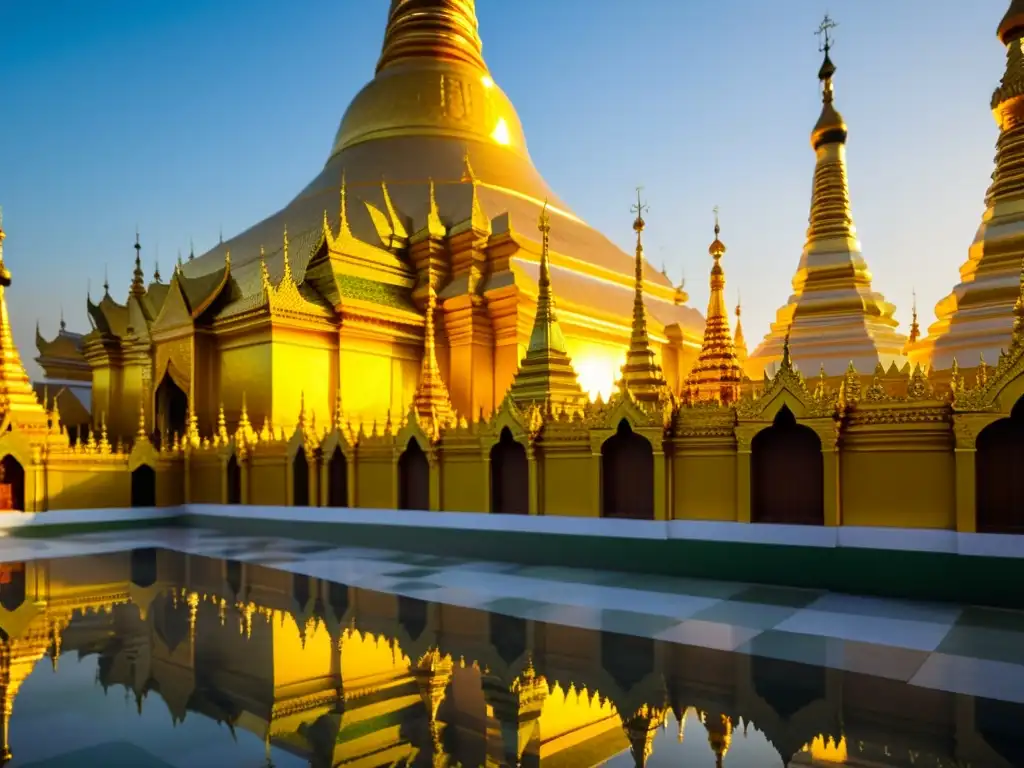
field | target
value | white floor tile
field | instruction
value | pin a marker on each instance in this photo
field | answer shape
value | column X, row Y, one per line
column 708, row 634
column 918, row 635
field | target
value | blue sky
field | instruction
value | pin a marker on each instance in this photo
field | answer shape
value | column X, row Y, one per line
column 188, row 117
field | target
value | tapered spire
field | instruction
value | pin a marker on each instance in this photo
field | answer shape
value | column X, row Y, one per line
column 431, row 401
column 915, row 329
column 546, row 375
column 716, row 375
column 138, row 288
column 740, row 341
column 18, row 403
column 833, row 314
column 641, row 374
column 445, row 30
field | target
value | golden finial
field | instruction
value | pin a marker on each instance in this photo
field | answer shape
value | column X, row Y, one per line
column 915, row 330
column 825, row 42
column 222, row 426
column 467, row 168
column 244, row 425
column 191, row 250
column 639, row 209
column 982, row 374
column 301, row 423
column 156, row 269
column 717, row 247
column 106, row 282
column 264, row 272
column 338, row 411
column 435, row 226
column 63, row 325
column 343, row 226
column 227, row 259
column 787, row 360
column 287, row 277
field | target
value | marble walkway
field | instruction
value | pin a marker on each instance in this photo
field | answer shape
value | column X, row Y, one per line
column 959, row 649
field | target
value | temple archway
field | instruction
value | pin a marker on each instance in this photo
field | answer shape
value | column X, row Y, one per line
column 143, row 486
column 413, row 478
column 171, row 408
column 12, row 474
column 337, row 479
column 787, row 475
column 627, row 475
column 234, row 480
column 510, row 476
column 998, row 477
column 300, row 479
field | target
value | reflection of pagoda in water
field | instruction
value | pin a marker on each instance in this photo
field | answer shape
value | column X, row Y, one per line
column 344, row 677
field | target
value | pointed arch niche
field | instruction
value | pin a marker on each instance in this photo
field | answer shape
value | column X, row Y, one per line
column 337, row 471
column 787, row 473
column 171, row 403
column 12, row 476
column 999, row 482
column 510, row 476
column 627, row 475
column 144, row 486
column 413, row 477
column 233, row 479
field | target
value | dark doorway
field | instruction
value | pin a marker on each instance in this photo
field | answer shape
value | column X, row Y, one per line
column 300, row 479
column 13, row 476
column 144, row 486
column 171, row 409
column 510, row 477
column 413, row 478
column 999, row 480
column 787, row 474
column 627, row 475
column 337, row 479
column 234, row 480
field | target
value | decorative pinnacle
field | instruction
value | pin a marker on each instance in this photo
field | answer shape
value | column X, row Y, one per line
column 639, row 209
column 828, row 69
column 717, row 247
column 787, row 360
column 63, row 325
column 191, row 250
column 823, row 32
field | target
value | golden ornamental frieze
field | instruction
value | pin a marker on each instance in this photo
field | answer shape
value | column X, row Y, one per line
column 705, row 431
column 936, row 413
column 983, row 396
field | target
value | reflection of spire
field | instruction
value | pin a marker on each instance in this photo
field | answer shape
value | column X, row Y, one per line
column 641, row 374
column 193, row 612
column 546, row 374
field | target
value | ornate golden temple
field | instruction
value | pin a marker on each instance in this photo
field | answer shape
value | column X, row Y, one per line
column 343, row 676
column 405, row 334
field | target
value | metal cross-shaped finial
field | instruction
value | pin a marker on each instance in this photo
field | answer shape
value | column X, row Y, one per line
column 640, row 208
column 715, row 211
column 823, row 30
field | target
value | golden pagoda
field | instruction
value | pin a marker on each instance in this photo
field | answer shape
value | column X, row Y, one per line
column 833, row 317
column 974, row 320
column 422, row 193
column 716, row 375
column 642, row 376
column 546, row 377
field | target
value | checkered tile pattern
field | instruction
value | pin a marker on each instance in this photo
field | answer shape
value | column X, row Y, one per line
column 958, row 649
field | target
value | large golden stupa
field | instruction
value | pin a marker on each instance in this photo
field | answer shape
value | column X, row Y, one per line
column 428, row 186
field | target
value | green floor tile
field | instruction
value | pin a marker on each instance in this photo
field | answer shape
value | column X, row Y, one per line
column 785, row 596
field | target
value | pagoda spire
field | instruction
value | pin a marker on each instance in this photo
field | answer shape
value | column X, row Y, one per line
column 976, row 316
column 716, row 374
column 18, row 403
column 915, row 329
column 546, row 376
column 741, row 342
column 444, row 30
column 641, row 374
column 431, row 401
column 138, row 288
column 833, row 313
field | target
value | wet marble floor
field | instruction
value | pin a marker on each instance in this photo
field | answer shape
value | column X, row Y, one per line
column 957, row 649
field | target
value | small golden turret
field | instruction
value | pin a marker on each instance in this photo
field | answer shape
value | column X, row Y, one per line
column 716, row 374
column 431, row 401
column 138, row 288
column 641, row 374
column 915, row 329
column 546, row 376
column 740, row 342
